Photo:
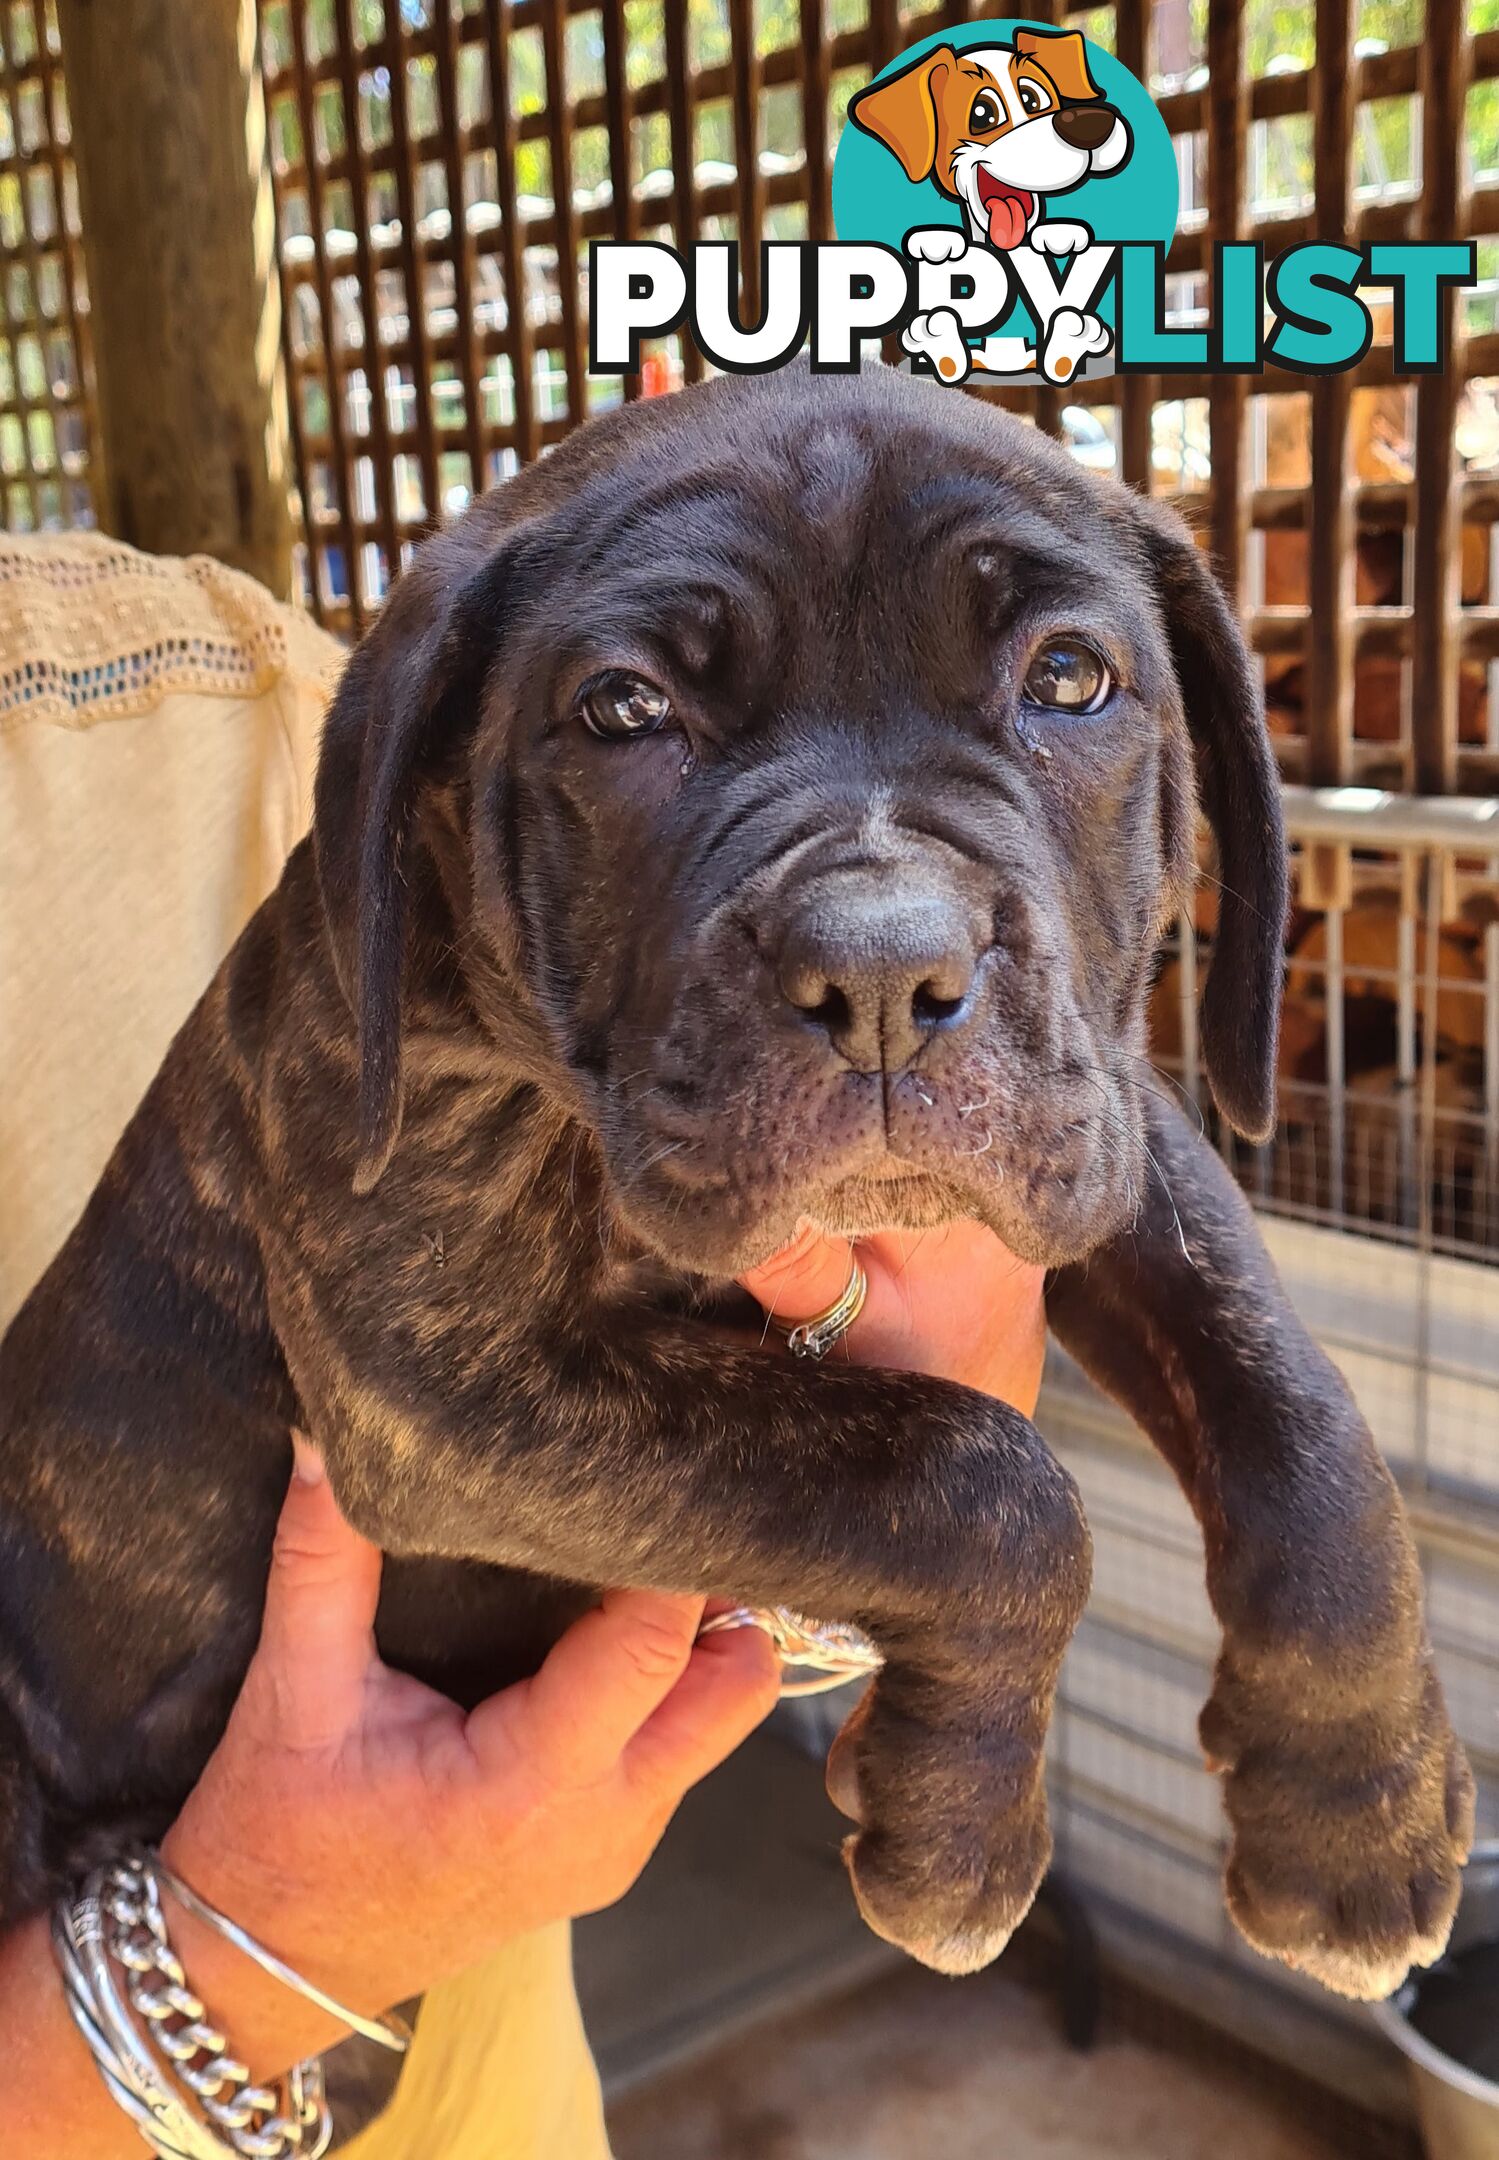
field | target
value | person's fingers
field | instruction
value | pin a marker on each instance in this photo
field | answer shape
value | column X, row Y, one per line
column 930, row 1261
column 956, row 1300
column 317, row 1639
column 731, row 1684
column 804, row 1278
column 597, row 1686
column 811, row 1273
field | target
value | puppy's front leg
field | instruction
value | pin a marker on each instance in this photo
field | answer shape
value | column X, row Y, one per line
column 1350, row 1802
column 930, row 1516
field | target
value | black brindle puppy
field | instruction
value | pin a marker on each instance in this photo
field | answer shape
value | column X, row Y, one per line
column 765, row 806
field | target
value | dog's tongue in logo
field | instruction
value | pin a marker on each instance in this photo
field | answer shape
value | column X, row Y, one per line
column 962, row 155
column 1007, row 209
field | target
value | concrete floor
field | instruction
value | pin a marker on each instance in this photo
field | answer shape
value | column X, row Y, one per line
column 913, row 2065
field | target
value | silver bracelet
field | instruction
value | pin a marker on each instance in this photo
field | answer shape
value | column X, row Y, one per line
column 163, row 2061
column 389, row 2031
column 831, row 1651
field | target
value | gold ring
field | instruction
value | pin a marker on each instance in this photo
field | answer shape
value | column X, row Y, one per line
column 814, row 1338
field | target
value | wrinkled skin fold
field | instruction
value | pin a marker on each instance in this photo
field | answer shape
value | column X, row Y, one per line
column 545, row 1036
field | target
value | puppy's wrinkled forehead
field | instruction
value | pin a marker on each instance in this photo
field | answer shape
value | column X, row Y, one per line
column 844, row 559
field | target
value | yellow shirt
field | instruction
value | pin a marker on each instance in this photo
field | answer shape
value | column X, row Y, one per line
column 158, row 734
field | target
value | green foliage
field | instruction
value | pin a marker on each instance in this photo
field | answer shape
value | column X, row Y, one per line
column 275, row 37
column 1277, row 34
column 1391, row 22
column 1483, row 128
column 645, row 42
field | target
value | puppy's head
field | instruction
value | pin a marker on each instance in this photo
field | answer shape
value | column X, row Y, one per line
column 998, row 127
column 793, row 777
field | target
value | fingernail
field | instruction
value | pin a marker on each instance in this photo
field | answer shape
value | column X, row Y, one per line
column 309, row 1466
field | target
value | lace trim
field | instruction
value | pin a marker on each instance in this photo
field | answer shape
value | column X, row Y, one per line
column 90, row 629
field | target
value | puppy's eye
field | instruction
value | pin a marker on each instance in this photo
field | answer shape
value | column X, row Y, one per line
column 1032, row 97
column 1068, row 676
column 985, row 113
column 617, row 705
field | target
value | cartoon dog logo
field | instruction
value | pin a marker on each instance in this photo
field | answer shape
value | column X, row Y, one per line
column 997, row 129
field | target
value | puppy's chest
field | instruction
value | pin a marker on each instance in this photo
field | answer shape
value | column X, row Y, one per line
column 469, row 1629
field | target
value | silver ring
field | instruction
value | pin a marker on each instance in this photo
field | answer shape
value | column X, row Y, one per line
column 814, row 1338
column 828, row 1652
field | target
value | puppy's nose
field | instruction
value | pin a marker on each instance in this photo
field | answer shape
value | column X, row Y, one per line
column 880, row 972
column 1085, row 127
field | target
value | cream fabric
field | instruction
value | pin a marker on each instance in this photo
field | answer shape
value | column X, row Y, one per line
column 158, row 733
column 499, row 2069
column 158, row 730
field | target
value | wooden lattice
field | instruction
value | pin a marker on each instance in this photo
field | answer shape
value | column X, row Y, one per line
column 423, row 148
column 46, row 406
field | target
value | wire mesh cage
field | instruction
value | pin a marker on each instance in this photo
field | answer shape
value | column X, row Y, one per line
column 1388, row 1092
column 1389, row 1052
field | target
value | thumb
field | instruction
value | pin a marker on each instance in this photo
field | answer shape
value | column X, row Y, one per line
column 804, row 1278
column 317, row 1635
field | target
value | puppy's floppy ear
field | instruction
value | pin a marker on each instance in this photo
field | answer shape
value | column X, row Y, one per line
column 410, row 693
column 1224, row 707
column 1065, row 58
column 901, row 111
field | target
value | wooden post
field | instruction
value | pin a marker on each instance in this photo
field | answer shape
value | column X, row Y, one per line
column 169, row 137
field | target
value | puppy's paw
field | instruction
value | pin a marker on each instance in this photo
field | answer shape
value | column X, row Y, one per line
column 1348, row 1841
column 938, row 338
column 937, row 243
column 947, row 1859
column 952, row 1898
column 1061, row 236
column 1070, row 337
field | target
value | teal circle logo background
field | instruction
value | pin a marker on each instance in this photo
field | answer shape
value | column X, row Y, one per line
column 873, row 199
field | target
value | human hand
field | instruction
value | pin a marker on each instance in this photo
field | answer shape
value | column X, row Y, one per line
column 376, row 1837
column 952, row 1302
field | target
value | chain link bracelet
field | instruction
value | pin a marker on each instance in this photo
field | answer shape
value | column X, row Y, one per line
column 164, row 2061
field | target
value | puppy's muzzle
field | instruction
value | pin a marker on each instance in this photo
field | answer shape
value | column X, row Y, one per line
column 877, row 967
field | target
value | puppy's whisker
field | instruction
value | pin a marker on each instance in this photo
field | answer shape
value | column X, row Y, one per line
column 1207, row 878
column 1188, row 1101
column 1111, row 1120
column 572, row 1170
column 1100, row 1074
column 672, row 1147
column 1165, row 1183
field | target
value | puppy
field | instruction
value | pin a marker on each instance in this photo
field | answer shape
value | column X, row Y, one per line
column 997, row 128
column 764, row 806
